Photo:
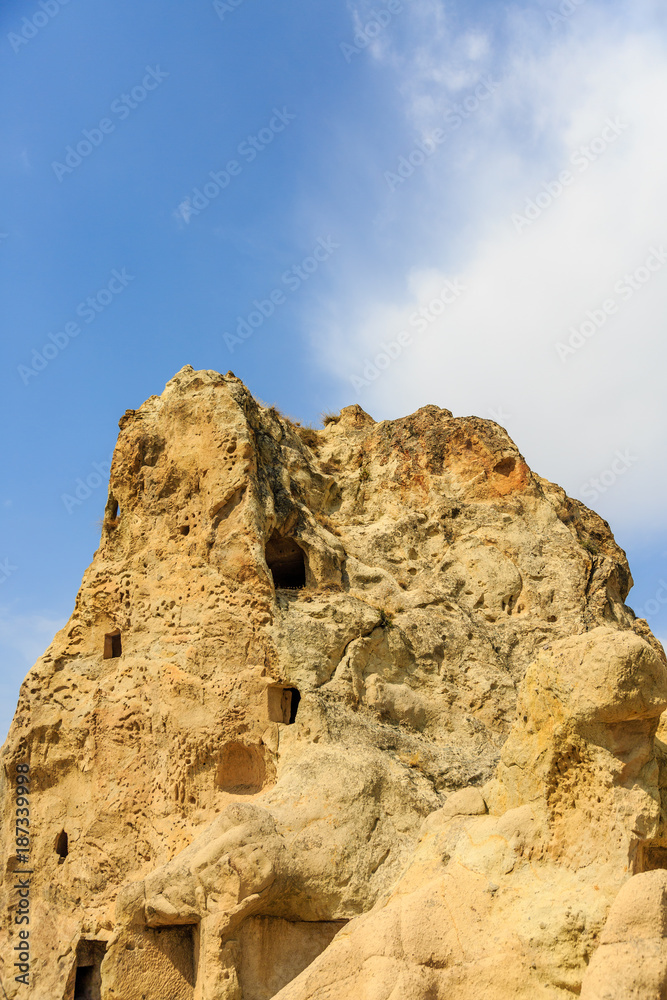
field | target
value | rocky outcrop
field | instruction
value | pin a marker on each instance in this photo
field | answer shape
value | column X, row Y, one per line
column 347, row 712
column 631, row 961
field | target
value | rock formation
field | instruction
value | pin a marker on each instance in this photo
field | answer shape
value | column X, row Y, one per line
column 349, row 713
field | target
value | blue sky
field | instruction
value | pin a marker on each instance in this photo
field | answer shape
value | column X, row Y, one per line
column 483, row 183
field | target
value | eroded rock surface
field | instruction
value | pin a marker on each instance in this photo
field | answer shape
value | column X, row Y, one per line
column 357, row 712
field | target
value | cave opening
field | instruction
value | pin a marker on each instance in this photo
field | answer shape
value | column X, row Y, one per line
column 112, row 645
column 505, row 467
column 242, row 770
column 83, row 986
column 282, row 703
column 295, row 698
column 88, row 979
column 62, row 846
column 649, row 857
column 287, row 562
column 111, row 513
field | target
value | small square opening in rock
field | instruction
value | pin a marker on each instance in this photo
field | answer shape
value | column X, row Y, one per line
column 282, row 703
column 287, row 563
column 112, row 645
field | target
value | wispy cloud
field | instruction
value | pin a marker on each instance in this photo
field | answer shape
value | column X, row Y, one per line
column 495, row 346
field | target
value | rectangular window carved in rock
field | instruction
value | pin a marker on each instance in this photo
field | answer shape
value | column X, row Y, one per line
column 88, row 981
column 282, row 703
column 287, row 563
column 112, row 645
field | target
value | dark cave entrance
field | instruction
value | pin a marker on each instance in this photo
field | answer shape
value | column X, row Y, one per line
column 83, row 986
column 295, row 698
column 88, row 981
column 649, row 857
column 287, row 563
column 112, row 645
column 283, row 703
column 62, row 846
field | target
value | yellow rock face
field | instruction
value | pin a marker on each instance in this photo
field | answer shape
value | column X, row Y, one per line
column 349, row 713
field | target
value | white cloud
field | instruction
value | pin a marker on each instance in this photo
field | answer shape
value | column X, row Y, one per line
column 495, row 346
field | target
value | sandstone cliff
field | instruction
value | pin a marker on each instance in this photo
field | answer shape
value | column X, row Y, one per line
column 349, row 713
